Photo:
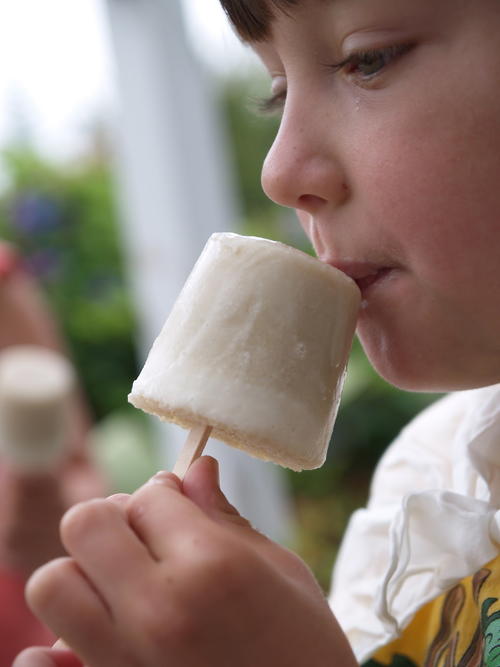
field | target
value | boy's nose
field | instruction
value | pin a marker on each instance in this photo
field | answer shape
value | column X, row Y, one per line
column 301, row 171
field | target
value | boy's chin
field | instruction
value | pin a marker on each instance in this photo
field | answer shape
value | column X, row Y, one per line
column 411, row 371
column 414, row 383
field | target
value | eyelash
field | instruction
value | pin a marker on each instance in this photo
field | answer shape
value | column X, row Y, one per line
column 351, row 65
column 388, row 54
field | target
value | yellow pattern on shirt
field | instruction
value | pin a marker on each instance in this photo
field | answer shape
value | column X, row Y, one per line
column 461, row 628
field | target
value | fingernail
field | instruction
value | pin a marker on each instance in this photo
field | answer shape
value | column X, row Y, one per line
column 215, row 468
column 211, row 463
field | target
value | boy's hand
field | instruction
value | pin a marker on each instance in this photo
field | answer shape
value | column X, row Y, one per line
column 174, row 576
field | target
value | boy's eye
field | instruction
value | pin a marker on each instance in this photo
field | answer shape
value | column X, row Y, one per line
column 363, row 65
column 273, row 103
column 366, row 64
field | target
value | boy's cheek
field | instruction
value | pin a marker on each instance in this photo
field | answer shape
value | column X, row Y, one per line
column 313, row 233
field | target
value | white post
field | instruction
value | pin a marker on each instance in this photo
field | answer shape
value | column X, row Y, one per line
column 171, row 153
column 175, row 190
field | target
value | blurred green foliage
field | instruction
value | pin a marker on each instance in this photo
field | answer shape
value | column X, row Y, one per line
column 64, row 222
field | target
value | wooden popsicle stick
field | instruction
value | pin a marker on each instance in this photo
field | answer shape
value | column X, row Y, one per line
column 192, row 449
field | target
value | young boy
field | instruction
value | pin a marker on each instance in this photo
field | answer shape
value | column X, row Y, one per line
column 389, row 150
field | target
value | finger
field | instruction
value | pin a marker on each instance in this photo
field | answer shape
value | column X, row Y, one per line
column 61, row 595
column 201, row 485
column 120, row 500
column 47, row 657
column 160, row 514
column 97, row 534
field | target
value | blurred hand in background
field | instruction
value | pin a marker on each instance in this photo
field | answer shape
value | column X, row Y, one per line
column 32, row 502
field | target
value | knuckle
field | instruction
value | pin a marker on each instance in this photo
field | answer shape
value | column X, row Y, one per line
column 45, row 585
column 81, row 519
column 136, row 510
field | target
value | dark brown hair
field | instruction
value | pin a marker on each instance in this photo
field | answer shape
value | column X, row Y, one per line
column 252, row 18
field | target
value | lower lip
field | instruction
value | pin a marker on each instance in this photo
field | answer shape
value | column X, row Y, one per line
column 368, row 283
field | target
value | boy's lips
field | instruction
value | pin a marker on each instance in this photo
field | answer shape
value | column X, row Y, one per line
column 364, row 274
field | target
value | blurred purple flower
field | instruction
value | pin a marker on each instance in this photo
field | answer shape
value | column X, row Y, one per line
column 35, row 213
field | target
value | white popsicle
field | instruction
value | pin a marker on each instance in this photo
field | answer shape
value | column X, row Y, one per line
column 255, row 347
column 35, row 386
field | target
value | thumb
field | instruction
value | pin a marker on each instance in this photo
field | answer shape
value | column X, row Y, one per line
column 201, row 485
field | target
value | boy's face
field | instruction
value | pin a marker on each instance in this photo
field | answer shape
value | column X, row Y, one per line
column 392, row 161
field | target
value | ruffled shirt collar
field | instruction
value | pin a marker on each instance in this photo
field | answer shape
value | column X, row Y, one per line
column 433, row 519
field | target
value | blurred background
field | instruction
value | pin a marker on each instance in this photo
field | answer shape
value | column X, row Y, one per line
column 129, row 132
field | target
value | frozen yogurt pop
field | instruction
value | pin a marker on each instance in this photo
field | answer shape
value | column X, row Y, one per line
column 35, row 387
column 254, row 350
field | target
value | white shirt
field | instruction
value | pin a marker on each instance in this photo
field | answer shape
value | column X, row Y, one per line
column 431, row 519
